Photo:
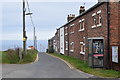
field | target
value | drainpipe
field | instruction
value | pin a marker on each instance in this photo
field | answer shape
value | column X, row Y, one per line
column 68, row 39
column 108, row 27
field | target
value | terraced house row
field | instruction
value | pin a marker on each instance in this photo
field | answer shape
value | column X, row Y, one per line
column 92, row 36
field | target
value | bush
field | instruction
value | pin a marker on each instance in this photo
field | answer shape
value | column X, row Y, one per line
column 12, row 56
column 51, row 50
column 29, row 57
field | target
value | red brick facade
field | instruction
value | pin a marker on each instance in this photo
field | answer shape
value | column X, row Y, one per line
column 115, row 31
column 99, row 23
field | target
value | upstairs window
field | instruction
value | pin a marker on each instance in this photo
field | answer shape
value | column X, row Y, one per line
column 99, row 18
column 66, row 31
column 72, row 28
column 94, row 20
column 82, row 23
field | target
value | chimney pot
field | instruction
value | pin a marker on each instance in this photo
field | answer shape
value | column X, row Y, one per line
column 70, row 17
column 82, row 9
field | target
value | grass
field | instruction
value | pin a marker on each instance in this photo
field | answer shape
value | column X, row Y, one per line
column 11, row 57
column 78, row 64
column 0, row 56
column 29, row 57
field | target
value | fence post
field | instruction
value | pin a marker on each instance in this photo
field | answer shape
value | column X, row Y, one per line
column 20, row 53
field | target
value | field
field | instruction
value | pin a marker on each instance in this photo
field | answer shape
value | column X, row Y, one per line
column 12, row 57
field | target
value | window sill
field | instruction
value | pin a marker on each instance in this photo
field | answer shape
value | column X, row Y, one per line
column 72, row 33
column 81, row 30
column 93, row 26
column 82, row 52
column 99, row 25
column 66, row 49
column 66, row 34
column 71, row 50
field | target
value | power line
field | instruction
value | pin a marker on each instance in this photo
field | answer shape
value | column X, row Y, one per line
column 29, row 12
column 32, row 23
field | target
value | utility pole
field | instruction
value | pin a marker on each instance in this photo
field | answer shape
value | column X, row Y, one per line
column 34, row 38
column 24, row 32
column 40, row 47
column 36, row 41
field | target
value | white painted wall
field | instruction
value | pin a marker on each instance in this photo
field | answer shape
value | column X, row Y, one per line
column 62, row 40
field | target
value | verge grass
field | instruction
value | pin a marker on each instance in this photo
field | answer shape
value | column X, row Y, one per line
column 78, row 64
column 12, row 57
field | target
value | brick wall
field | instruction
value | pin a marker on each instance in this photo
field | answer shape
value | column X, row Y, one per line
column 82, row 36
column 77, row 36
column 115, row 31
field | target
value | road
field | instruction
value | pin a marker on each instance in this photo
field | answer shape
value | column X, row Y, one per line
column 46, row 67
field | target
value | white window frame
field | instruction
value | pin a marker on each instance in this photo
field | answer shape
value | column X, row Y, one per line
column 72, row 46
column 72, row 25
column 66, row 45
column 66, row 34
column 82, row 52
column 82, row 23
column 72, row 31
column 66, row 27
column 93, row 15
column 99, row 24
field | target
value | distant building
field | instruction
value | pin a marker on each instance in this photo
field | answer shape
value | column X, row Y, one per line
column 31, row 48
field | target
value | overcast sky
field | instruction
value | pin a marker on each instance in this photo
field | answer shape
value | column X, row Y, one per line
column 47, row 16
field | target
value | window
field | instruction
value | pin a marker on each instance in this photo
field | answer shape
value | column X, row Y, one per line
column 82, row 48
column 115, row 54
column 66, row 31
column 81, row 25
column 66, row 45
column 94, row 20
column 66, row 27
column 72, row 46
column 72, row 30
column 99, row 18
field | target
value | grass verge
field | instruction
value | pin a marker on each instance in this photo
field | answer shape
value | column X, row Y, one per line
column 12, row 57
column 29, row 57
column 78, row 64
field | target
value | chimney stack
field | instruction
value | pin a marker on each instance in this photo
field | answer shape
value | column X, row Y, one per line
column 70, row 17
column 82, row 9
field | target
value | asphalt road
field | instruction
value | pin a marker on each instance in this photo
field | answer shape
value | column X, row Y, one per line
column 46, row 67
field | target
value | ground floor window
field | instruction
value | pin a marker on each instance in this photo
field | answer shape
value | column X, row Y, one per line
column 82, row 48
column 72, row 46
column 115, row 54
column 66, row 45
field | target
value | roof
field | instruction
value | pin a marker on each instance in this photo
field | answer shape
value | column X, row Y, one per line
column 90, row 9
column 52, row 38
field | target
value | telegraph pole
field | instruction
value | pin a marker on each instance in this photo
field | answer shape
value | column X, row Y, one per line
column 34, row 39
column 24, row 32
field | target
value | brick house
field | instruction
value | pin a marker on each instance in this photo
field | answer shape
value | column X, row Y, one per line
column 94, row 35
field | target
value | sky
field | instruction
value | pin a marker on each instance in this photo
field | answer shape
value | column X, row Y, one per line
column 47, row 17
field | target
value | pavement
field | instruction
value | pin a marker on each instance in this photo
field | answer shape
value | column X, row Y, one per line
column 46, row 67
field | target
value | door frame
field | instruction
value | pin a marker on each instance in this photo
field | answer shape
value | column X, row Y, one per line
column 93, row 38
